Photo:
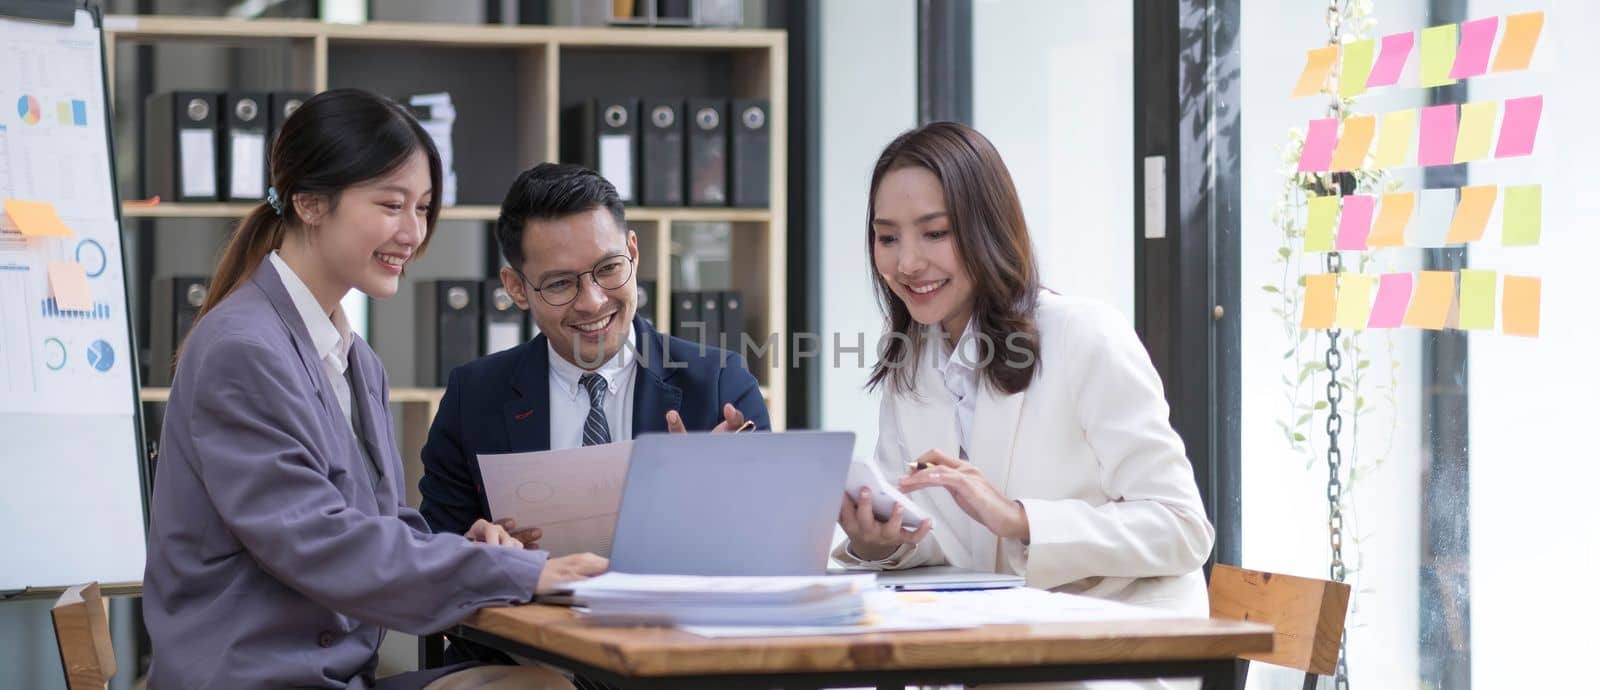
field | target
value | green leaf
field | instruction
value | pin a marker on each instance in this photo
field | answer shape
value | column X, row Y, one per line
column 1363, row 364
column 1321, row 405
column 1303, row 419
column 1284, row 252
column 1299, row 436
column 1270, row 288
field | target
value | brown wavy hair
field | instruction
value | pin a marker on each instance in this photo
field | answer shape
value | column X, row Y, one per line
column 991, row 237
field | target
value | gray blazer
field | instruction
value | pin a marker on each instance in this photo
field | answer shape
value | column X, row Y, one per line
column 278, row 553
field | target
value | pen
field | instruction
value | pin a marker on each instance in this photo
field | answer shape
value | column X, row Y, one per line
column 915, row 467
column 748, row 425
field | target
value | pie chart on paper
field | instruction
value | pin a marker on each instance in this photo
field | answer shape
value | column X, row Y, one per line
column 28, row 109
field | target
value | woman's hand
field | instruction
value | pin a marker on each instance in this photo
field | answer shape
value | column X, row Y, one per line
column 491, row 533
column 871, row 539
column 976, row 496
column 563, row 570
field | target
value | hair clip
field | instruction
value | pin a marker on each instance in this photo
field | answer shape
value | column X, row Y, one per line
column 274, row 201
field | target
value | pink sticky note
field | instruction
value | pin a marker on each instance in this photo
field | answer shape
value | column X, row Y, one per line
column 1317, row 154
column 1391, row 59
column 1394, row 293
column 1519, row 126
column 1477, row 40
column 1438, row 145
column 1355, row 221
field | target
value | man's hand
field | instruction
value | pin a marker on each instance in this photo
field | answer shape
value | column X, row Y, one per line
column 732, row 420
column 529, row 537
column 491, row 533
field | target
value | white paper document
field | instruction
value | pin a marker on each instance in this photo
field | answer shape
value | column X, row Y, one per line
column 616, row 163
column 199, row 161
column 573, row 495
column 248, row 155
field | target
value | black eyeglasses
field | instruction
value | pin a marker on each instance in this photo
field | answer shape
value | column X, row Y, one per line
column 561, row 289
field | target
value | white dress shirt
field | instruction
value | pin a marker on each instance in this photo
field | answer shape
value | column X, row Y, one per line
column 330, row 334
column 958, row 367
column 569, row 401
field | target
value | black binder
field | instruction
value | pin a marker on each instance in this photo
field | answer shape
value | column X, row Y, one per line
column 244, row 146
column 686, row 321
column 645, row 306
column 732, row 318
column 448, row 332
column 174, row 305
column 603, row 135
column 180, row 130
column 708, row 152
column 661, row 153
column 505, row 325
column 280, row 105
column 711, row 314
column 751, row 154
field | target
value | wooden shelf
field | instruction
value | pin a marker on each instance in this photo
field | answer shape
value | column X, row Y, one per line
column 483, row 213
column 211, row 29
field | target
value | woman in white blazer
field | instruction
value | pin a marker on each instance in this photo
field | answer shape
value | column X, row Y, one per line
column 1037, row 418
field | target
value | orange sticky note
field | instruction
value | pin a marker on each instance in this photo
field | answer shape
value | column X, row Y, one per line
column 1393, row 216
column 1355, row 140
column 1518, row 41
column 1431, row 300
column 1319, row 62
column 69, row 285
column 36, row 218
column 1318, row 310
column 1472, row 214
column 1519, row 306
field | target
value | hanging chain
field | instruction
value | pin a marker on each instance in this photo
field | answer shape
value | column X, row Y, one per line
column 1334, row 359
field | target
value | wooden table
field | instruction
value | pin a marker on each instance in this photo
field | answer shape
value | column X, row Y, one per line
column 667, row 659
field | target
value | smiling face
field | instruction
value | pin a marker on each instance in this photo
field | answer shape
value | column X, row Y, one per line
column 914, row 249
column 364, row 238
column 594, row 325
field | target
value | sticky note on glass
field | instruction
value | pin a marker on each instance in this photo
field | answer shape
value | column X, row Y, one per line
column 1319, row 62
column 1438, row 55
column 1438, row 145
column 1476, row 131
column 36, row 218
column 1477, row 299
column 1355, row 221
column 1516, row 45
column 1351, row 151
column 69, row 285
column 1394, row 144
column 1472, row 214
column 1431, row 299
column 1394, row 293
column 1521, row 216
column 1317, row 309
column 1320, row 212
column 1519, row 306
column 1520, row 125
column 1355, row 68
column 1436, row 210
column 1355, row 301
column 1394, row 213
column 1477, row 40
column 1317, row 154
column 1391, row 59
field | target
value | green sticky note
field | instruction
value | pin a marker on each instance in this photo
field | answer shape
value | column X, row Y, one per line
column 1521, row 215
column 1438, row 54
column 1320, row 212
column 1355, row 68
column 1477, row 299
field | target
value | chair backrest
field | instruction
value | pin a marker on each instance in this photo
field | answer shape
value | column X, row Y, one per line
column 1307, row 615
column 84, row 638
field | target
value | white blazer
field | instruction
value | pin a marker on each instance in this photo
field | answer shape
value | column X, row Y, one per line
column 1113, row 508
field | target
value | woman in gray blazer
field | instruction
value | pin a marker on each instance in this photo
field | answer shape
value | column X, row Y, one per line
column 280, row 549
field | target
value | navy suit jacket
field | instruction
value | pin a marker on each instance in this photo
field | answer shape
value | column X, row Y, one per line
column 501, row 404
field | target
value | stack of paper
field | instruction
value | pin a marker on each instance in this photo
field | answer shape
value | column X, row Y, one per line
column 685, row 600
column 440, row 118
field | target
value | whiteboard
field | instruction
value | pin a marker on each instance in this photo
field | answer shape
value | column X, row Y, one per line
column 72, row 496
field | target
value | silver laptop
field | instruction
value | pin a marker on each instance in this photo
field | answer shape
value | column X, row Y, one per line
column 731, row 504
column 945, row 578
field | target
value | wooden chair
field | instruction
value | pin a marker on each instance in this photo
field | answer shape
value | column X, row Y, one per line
column 1307, row 616
column 84, row 638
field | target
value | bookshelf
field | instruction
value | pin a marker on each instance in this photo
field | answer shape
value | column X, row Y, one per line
column 541, row 70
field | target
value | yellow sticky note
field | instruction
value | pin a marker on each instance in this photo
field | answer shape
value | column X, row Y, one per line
column 1320, row 212
column 1355, row 301
column 1472, row 214
column 1517, row 43
column 69, row 285
column 1355, row 68
column 1354, row 142
column 64, row 113
column 1319, row 62
column 1519, row 306
column 1438, row 54
column 1430, row 301
column 1521, row 216
column 36, row 218
column 1318, row 307
column 1477, row 299
column 1475, row 131
column 1394, row 146
column 1394, row 214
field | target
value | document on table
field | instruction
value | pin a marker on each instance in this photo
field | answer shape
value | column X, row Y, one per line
column 573, row 495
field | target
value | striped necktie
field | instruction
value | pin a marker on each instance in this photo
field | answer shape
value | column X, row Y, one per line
column 595, row 429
